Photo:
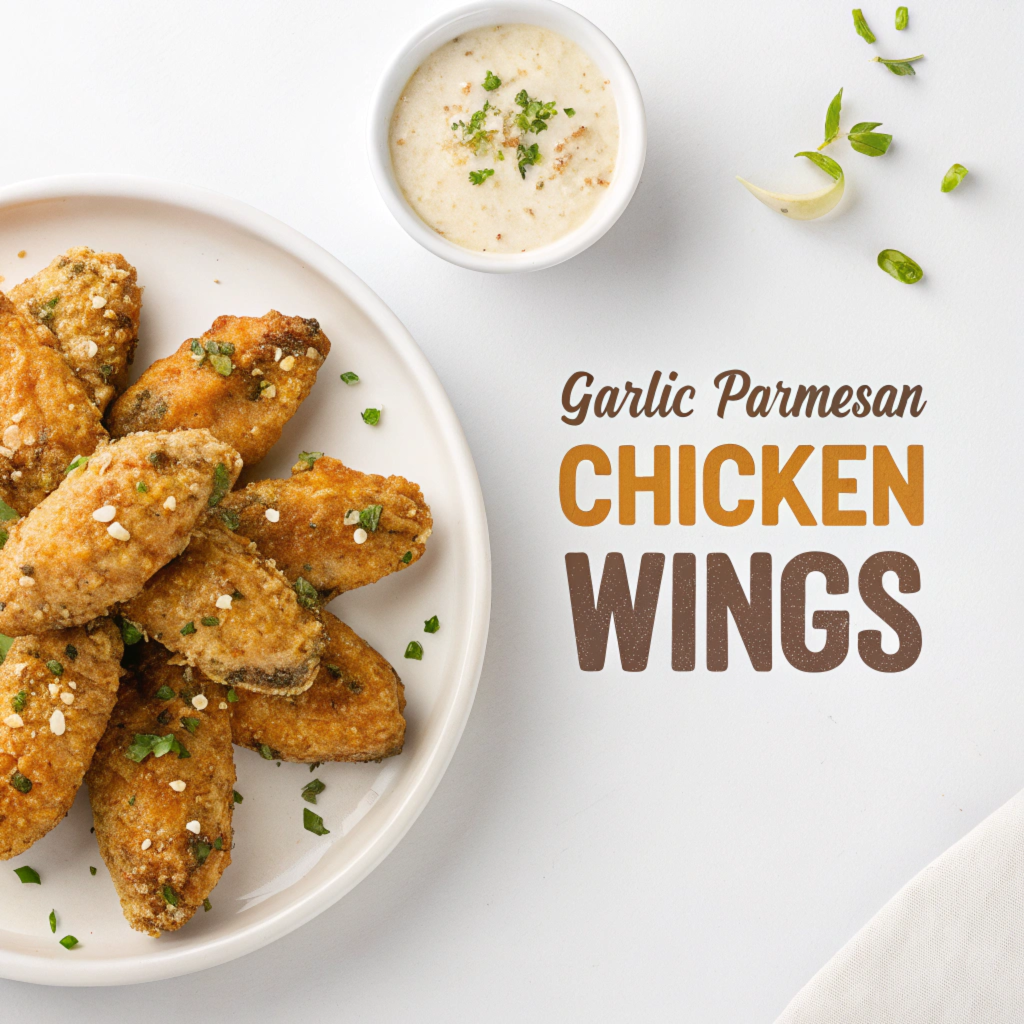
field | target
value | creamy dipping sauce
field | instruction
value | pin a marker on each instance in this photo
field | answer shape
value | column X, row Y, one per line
column 505, row 167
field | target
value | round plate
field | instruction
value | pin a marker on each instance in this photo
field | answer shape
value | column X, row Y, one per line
column 200, row 254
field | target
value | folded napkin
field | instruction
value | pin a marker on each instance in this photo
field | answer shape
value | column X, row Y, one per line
column 948, row 947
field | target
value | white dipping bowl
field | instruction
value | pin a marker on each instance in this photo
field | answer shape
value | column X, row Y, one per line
column 632, row 129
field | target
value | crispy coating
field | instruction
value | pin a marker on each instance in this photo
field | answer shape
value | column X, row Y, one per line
column 63, row 566
column 270, row 364
column 134, row 805
column 264, row 641
column 91, row 302
column 33, row 750
column 46, row 417
column 353, row 712
column 311, row 540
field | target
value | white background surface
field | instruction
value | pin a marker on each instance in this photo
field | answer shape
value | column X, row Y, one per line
column 661, row 845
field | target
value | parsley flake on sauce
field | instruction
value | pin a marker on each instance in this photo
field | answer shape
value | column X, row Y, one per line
column 479, row 177
column 491, row 81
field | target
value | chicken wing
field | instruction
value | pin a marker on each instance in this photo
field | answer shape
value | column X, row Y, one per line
column 317, row 528
column 243, row 380
column 353, row 712
column 114, row 521
column 91, row 303
column 56, row 694
column 230, row 614
column 46, row 416
column 161, row 787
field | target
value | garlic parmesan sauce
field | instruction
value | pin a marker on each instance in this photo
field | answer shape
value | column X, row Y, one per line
column 552, row 96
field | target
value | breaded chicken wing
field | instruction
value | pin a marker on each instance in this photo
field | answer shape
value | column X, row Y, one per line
column 112, row 523
column 56, row 694
column 243, row 380
column 353, row 712
column 163, row 816
column 91, row 303
column 227, row 612
column 46, row 417
column 311, row 538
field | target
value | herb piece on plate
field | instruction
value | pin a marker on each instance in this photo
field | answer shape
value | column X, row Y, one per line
column 53, row 921
column 312, row 790
column 902, row 17
column 28, row 876
column 69, row 942
column 371, row 417
column 832, row 119
column 414, row 650
column 312, row 822
column 899, row 265
column 901, row 65
column 861, row 25
column 953, row 177
column 350, row 378
column 432, row 625
column 865, row 141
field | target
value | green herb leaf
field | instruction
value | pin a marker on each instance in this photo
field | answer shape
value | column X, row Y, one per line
column 202, row 851
column 238, row 796
column 311, row 790
column 56, row 667
column 369, row 518
column 131, row 800
column 432, row 625
column 5, row 646
column 371, row 416
column 191, row 724
column 308, row 458
column 170, row 896
column 865, row 126
column 188, row 629
column 71, row 651
column 18, row 701
column 145, row 744
column 902, row 17
column 491, row 81
column 832, row 117
column 231, row 520
column 902, row 66
column 20, row 783
column 870, row 143
column 350, row 378
column 92, row 870
column 826, row 163
column 312, row 822
column 862, row 26
column 221, row 484
column 569, row 111
column 207, row 905
column 265, row 752
column 131, row 632
column 414, row 650
column 69, row 942
column 209, row 620
column 305, row 593
column 76, row 463
column 141, row 487
column 6, row 512
column 222, row 364
column 53, row 921
column 407, row 557
column 900, row 266
column 479, row 177
column 953, row 177
column 164, row 693
column 527, row 157
column 232, row 696
column 4, row 535
column 196, row 347
column 28, row 876
column 218, row 843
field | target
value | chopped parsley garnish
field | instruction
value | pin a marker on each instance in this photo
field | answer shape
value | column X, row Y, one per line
column 902, row 17
column 28, row 876
column 350, row 378
column 231, row 520
column 76, row 463
column 232, row 696
column 238, row 796
column 313, row 767
column 371, row 416
column 312, row 822
column 221, row 484
column 474, row 135
column 164, row 693
column 69, row 942
column 432, row 625
column 20, row 783
column 141, row 487
column 491, row 81
column 71, row 651
column 311, row 790
column 53, row 921
column 861, row 25
column 534, row 115
column 18, row 701
column 210, row 620
column 92, row 870
column 131, row 632
column 191, row 724
column 369, row 518
column 170, row 896
column 266, row 753
column 207, row 905
column 305, row 593
column 218, row 352
column 407, row 557
column 479, row 177
column 201, row 851
column 308, row 458
column 6, row 512
column 188, row 628
column 569, row 111
column 218, row 843
column 145, row 744
column 46, row 309
column 56, row 667
column 527, row 157
column 414, row 650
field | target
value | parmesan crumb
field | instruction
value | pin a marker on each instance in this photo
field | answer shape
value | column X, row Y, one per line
column 26, row 581
column 277, row 355
column 67, row 697
column 91, row 348
column 311, row 353
column 147, row 843
column 171, row 503
column 194, row 827
column 18, row 416
column 287, row 363
column 223, row 705
column 351, row 518
column 224, row 601
column 360, row 536
column 200, row 703
column 57, row 723
column 105, row 514
column 118, row 532
column 54, row 689
column 14, row 721
column 98, row 302
column 177, row 785
column 272, row 515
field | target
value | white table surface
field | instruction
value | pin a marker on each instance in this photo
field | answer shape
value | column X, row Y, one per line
column 654, row 846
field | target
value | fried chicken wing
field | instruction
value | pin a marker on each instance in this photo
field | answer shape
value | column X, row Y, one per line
column 91, row 303
column 56, row 694
column 163, row 817
column 112, row 523
column 226, row 611
column 353, row 712
column 46, row 417
column 311, row 538
column 243, row 380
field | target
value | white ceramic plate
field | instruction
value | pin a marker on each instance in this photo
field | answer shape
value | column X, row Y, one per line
column 181, row 239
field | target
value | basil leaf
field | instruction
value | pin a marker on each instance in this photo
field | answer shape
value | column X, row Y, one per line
column 28, row 876
column 237, row 796
column 826, row 163
column 305, row 593
column 131, row 632
column 76, row 462
column 221, row 484
column 832, row 117
column 308, row 458
column 231, row 519
column 865, row 126
column 191, row 724
column 369, row 518
column 900, row 266
column 19, row 700
column 92, row 870
column 232, row 696
column 870, row 143
column 6, row 512
column 406, row 558
column 311, row 790
column 201, row 851
column 312, row 822
column 188, row 629
column 862, row 26
column 902, row 66
column 145, row 744
column 55, row 667
column 207, row 905
column 170, row 896
column 902, row 17
column 953, row 177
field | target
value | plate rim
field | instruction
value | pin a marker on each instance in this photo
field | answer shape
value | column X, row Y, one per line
column 172, row 962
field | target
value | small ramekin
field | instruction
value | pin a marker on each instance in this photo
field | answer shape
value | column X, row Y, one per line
column 547, row 14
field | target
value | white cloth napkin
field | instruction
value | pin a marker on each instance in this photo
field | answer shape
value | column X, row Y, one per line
column 948, row 948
